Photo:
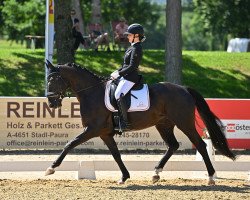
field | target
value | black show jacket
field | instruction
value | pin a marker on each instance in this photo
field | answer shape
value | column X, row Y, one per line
column 132, row 59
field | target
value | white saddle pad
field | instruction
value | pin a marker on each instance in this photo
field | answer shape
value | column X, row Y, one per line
column 142, row 103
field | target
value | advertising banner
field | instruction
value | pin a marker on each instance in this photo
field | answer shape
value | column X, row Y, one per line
column 29, row 123
column 235, row 116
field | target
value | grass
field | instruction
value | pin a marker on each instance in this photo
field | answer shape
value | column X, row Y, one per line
column 214, row 74
column 218, row 74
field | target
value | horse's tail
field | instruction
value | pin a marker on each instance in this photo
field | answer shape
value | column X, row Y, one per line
column 213, row 124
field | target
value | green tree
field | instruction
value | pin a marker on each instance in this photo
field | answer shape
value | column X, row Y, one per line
column 225, row 18
column 141, row 11
column 63, row 33
column 1, row 18
column 173, row 42
column 136, row 11
column 27, row 17
column 96, row 11
column 23, row 17
column 193, row 35
column 76, row 5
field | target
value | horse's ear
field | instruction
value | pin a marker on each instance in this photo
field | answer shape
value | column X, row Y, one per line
column 49, row 64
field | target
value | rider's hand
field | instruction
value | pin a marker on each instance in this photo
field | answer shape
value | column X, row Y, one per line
column 115, row 74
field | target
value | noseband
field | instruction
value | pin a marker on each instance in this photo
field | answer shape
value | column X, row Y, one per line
column 60, row 93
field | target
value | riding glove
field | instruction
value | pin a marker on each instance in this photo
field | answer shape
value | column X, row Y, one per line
column 115, row 74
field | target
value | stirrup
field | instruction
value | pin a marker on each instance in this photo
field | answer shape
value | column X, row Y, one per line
column 125, row 126
column 122, row 126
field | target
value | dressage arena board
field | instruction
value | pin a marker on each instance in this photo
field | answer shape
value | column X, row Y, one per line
column 29, row 123
column 89, row 166
column 87, row 169
column 173, row 185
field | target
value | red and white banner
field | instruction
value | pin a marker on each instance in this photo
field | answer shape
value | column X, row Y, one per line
column 235, row 115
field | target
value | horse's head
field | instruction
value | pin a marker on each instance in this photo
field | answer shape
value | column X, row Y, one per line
column 56, row 86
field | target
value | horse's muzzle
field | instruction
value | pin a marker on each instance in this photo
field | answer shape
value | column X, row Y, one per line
column 55, row 99
column 55, row 102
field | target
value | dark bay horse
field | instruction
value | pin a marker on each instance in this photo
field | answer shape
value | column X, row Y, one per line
column 171, row 105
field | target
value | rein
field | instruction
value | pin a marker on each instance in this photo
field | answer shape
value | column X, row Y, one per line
column 50, row 94
column 92, row 86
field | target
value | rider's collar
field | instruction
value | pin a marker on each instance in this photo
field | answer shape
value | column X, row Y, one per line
column 133, row 43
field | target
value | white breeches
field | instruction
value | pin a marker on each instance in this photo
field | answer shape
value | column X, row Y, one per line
column 123, row 87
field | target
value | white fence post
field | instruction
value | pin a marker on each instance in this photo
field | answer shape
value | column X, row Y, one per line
column 210, row 151
column 86, row 170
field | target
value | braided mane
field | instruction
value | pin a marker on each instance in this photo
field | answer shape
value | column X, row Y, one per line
column 81, row 69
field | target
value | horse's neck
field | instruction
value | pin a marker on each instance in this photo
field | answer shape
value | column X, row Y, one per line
column 82, row 80
column 88, row 79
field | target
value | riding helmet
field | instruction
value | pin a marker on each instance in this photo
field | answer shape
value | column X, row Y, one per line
column 135, row 29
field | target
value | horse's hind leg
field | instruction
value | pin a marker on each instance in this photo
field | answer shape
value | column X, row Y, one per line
column 200, row 145
column 167, row 134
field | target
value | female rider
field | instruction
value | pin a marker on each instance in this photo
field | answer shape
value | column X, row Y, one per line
column 128, row 72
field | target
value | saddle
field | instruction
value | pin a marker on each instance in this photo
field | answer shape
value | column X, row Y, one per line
column 137, row 99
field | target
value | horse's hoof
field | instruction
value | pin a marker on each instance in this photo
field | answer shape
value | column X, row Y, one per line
column 158, row 170
column 121, row 182
column 123, row 179
column 155, row 178
column 211, row 181
column 49, row 171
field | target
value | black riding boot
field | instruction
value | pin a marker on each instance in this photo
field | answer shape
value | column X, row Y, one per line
column 124, row 124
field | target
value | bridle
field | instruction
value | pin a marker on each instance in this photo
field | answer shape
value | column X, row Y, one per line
column 61, row 94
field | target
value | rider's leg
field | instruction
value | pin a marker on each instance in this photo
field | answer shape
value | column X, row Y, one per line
column 122, row 89
column 125, row 125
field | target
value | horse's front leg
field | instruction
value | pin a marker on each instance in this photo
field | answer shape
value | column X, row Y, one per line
column 87, row 134
column 111, row 144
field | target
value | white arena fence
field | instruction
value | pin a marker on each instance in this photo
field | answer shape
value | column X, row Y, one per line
column 87, row 169
column 28, row 123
